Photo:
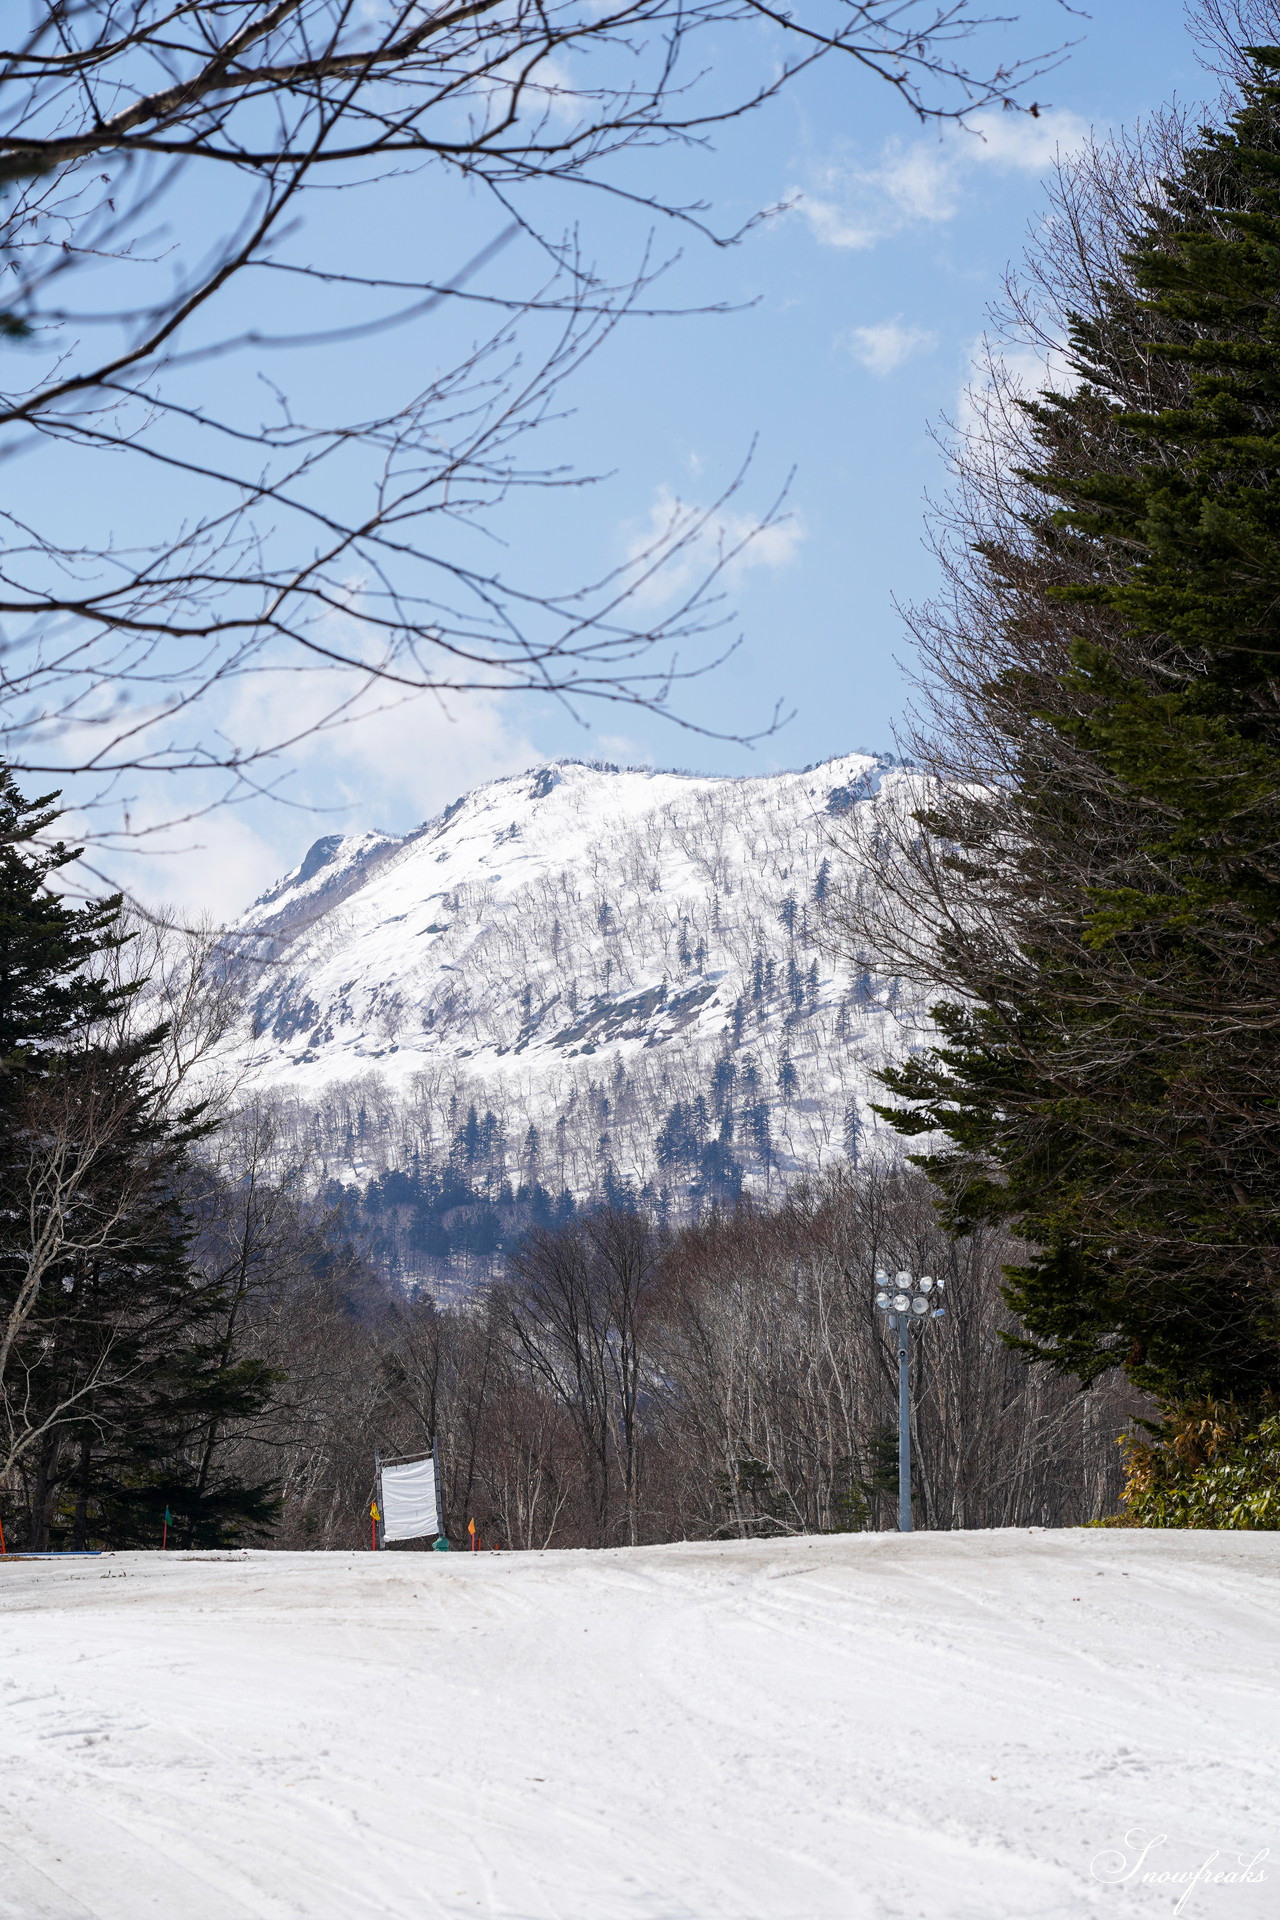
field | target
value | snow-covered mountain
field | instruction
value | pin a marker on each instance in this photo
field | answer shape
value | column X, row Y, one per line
column 576, row 976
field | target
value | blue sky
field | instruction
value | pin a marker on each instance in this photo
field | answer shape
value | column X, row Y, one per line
column 857, row 315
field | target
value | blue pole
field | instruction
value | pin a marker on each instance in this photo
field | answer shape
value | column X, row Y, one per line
column 904, row 1431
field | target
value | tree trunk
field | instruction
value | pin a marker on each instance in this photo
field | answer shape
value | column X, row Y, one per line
column 42, row 1491
column 80, row 1530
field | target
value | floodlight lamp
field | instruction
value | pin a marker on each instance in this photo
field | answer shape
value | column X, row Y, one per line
column 939, row 1313
column 903, row 1277
column 901, row 1302
column 919, row 1304
column 940, row 1285
column 925, row 1282
column 882, row 1298
column 882, row 1278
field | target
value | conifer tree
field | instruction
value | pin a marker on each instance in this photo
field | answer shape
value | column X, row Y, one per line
column 1110, row 1076
column 113, row 1355
column 47, row 992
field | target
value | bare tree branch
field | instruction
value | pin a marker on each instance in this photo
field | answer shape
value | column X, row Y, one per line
column 347, row 544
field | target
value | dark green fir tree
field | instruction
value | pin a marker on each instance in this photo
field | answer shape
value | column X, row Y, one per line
column 115, row 1367
column 1114, row 1089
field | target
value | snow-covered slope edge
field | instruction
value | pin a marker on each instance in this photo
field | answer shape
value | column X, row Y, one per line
column 618, row 970
column 959, row 1726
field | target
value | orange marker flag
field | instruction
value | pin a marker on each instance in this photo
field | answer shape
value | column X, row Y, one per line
column 471, row 1529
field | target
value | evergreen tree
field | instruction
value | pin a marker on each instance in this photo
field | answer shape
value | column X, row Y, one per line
column 723, row 1075
column 1110, row 1081
column 112, row 1355
column 47, row 993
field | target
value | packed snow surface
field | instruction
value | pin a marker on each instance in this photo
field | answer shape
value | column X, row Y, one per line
column 981, row 1726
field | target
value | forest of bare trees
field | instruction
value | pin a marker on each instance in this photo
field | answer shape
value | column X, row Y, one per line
column 626, row 1386
column 621, row 1385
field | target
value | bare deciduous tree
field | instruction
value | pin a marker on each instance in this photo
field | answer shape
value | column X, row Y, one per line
column 580, row 1303
column 343, row 545
column 782, row 1385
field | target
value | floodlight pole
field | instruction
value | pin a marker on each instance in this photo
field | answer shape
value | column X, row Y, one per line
column 904, row 1430
column 902, row 1299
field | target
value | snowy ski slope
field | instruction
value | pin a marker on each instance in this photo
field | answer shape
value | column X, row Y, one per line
column 861, row 1727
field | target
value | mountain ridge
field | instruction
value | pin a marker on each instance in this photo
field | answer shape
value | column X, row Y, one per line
column 619, row 977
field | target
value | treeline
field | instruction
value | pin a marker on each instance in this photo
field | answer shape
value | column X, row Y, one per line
column 448, row 1228
column 1092, row 887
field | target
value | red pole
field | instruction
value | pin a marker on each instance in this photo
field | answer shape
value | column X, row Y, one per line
column 3, row 1549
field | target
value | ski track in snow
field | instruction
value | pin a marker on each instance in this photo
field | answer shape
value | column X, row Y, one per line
column 859, row 1727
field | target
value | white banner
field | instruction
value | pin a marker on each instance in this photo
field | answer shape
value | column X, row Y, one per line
column 410, row 1507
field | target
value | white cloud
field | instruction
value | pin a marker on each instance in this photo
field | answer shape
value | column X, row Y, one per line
column 696, row 540
column 887, row 345
column 922, row 182
column 390, row 766
column 208, row 868
column 1021, row 143
column 622, row 750
column 399, row 759
column 855, row 207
